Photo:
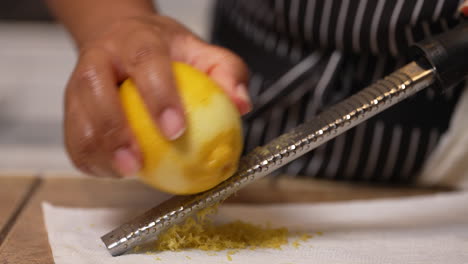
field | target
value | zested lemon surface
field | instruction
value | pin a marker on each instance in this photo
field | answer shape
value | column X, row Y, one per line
column 207, row 153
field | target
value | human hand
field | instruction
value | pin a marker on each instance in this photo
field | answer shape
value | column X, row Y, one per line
column 97, row 136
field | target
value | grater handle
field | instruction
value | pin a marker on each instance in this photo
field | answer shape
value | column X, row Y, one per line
column 447, row 53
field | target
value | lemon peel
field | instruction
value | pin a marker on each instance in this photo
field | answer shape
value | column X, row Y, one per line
column 209, row 150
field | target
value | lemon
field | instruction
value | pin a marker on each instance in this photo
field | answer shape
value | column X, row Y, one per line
column 208, row 152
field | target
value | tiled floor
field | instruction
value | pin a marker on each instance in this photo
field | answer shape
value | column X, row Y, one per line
column 35, row 61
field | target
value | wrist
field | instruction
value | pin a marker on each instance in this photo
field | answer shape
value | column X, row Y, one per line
column 87, row 19
column 99, row 24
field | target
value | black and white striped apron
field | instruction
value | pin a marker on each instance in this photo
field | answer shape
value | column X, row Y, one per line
column 322, row 51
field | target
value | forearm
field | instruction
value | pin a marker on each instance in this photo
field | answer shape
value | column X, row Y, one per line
column 87, row 18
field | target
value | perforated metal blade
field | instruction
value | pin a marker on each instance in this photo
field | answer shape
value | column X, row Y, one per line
column 345, row 115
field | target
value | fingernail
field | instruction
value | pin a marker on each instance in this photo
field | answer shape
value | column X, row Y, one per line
column 172, row 123
column 241, row 92
column 126, row 163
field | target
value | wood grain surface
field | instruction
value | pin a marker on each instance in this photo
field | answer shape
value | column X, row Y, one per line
column 14, row 192
column 27, row 241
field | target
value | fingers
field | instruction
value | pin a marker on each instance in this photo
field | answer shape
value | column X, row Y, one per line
column 231, row 73
column 148, row 62
column 97, row 136
column 98, row 133
column 78, row 133
column 223, row 66
column 81, row 143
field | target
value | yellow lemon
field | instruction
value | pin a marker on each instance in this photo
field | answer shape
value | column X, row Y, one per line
column 208, row 152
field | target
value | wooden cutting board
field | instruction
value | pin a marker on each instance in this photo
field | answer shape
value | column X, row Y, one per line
column 14, row 191
column 25, row 239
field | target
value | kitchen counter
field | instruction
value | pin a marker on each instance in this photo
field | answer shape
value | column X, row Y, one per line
column 23, row 238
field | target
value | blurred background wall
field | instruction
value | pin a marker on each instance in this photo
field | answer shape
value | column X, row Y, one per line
column 36, row 58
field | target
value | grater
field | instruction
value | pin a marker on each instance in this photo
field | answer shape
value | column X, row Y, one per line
column 439, row 62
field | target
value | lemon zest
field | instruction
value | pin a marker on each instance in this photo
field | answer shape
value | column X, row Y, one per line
column 201, row 233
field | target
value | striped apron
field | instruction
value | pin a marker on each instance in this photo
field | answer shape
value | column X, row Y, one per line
column 318, row 52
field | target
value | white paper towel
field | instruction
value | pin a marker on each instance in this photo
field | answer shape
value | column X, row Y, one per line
column 429, row 229
column 448, row 164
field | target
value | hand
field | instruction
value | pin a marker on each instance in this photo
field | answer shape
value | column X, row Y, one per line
column 97, row 136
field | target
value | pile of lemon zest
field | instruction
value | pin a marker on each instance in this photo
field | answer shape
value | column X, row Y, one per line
column 136, row 249
column 158, row 258
column 200, row 232
column 230, row 253
column 188, row 257
column 296, row 244
column 301, row 237
column 319, row 233
column 305, row 237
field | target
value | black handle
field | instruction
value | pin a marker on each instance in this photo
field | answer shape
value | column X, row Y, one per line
column 447, row 53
